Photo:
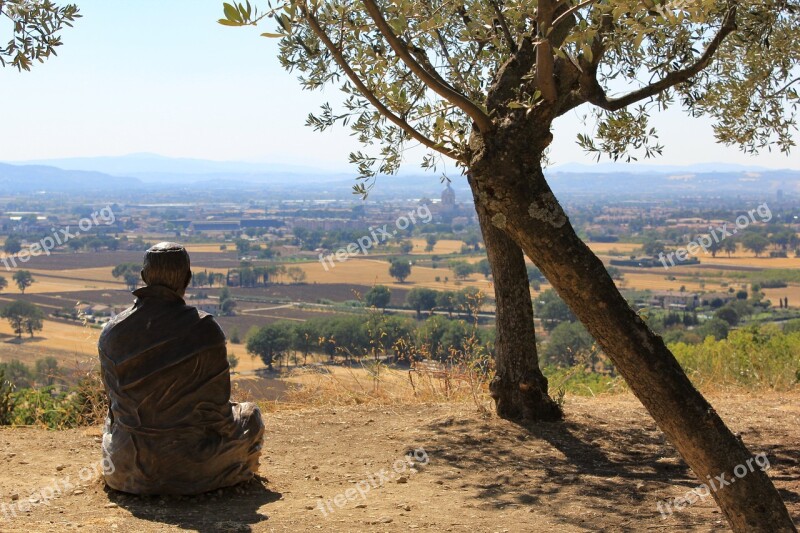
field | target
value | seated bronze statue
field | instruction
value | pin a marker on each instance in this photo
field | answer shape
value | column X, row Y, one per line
column 171, row 427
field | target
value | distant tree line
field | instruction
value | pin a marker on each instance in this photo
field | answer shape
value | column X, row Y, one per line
column 354, row 338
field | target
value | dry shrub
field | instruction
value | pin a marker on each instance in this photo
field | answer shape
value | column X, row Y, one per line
column 463, row 377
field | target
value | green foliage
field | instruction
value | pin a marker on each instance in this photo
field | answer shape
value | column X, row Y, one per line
column 652, row 247
column 461, row 269
column 12, row 245
column 751, row 357
column 715, row 328
column 47, row 371
column 652, row 53
column 86, row 403
column 755, row 243
column 44, row 407
column 23, row 317
column 535, row 275
column 447, row 301
column 3, row 283
column 727, row 314
column 23, row 279
column 378, row 296
column 6, row 403
column 35, row 27
column 421, row 299
column 129, row 272
column 233, row 361
column 269, row 342
column 17, row 374
column 615, row 273
column 227, row 304
column 296, row 274
column 566, row 342
column 582, row 382
column 430, row 241
column 399, row 269
column 791, row 326
column 552, row 310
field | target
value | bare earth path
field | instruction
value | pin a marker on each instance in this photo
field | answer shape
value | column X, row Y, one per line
column 605, row 469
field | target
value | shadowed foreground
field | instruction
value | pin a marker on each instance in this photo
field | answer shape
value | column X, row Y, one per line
column 605, row 468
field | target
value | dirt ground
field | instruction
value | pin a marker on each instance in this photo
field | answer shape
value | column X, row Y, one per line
column 604, row 469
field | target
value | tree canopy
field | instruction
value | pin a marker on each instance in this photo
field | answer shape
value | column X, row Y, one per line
column 35, row 28
column 483, row 82
column 24, row 317
column 378, row 296
column 433, row 69
column 269, row 342
column 129, row 272
column 23, row 279
column 421, row 299
column 399, row 269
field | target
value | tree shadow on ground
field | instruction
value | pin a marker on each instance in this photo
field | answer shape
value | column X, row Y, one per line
column 586, row 472
column 233, row 509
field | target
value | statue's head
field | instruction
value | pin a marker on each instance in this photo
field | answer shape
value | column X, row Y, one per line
column 167, row 264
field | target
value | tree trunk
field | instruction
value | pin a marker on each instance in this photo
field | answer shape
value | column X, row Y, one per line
column 510, row 185
column 518, row 387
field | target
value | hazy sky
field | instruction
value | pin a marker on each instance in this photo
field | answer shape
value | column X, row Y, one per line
column 164, row 77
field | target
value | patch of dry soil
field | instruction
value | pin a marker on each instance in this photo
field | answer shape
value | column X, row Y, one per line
column 604, row 469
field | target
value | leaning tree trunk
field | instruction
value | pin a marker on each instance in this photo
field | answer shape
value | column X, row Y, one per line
column 518, row 387
column 510, row 185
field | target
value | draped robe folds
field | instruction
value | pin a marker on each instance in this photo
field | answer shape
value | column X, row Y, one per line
column 172, row 428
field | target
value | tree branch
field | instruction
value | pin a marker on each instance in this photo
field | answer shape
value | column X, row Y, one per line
column 782, row 89
column 432, row 80
column 512, row 46
column 368, row 94
column 544, row 52
column 453, row 65
column 597, row 96
column 565, row 15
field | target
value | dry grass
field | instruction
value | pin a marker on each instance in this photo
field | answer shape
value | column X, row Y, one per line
column 366, row 271
column 606, row 247
column 209, row 248
column 374, row 383
column 46, row 283
column 656, row 280
column 443, row 247
column 792, row 292
column 57, row 336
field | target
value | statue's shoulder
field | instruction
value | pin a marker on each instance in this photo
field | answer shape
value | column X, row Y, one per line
column 209, row 323
column 109, row 326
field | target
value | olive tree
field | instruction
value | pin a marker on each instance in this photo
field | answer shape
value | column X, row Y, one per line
column 34, row 27
column 482, row 82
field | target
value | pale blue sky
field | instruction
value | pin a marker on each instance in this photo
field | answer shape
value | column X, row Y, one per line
column 164, row 77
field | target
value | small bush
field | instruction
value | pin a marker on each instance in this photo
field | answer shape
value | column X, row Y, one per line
column 758, row 358
column 84, row 404
column 6, row 404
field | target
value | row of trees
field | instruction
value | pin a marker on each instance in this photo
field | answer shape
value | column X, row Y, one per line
column 94, row 243
column 261, row 276
column 754, row 240
column 44, row 373
column 245, row 276
column 24, row 317
column 22, row 278
column 354, row 338
column 421, row 299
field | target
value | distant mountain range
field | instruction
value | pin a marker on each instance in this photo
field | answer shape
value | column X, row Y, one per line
column 158, row 169
column 154, row 172
column 37, row 178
